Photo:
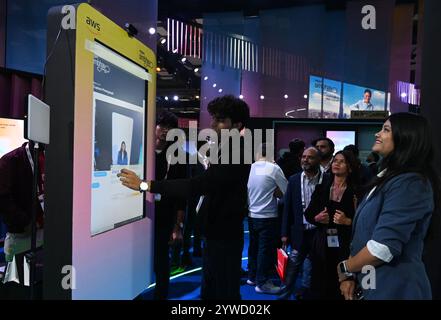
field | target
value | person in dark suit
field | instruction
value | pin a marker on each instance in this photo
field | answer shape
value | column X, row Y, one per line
column 169, row 213
column 289, row 162
column 332, row 209
column 16, row 176
column 224, row 203
column 396, row 217
column 372, row 162
column 295, row 229
column 122, row 154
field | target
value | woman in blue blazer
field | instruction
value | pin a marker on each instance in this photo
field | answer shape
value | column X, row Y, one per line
column 393, row 219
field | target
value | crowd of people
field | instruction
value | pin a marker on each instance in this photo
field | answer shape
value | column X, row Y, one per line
column 334, row 215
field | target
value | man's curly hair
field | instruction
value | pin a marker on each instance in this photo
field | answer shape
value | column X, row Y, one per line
column 167, row 119
column 229, row 106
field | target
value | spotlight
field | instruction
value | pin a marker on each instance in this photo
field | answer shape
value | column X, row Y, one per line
column 183, row 59
column 176, row 98
column 220, row 90
column 403, row 95
column 214, row 85
column 196, row 70
column 205, row 78
column 240, row 96
column 285, row 96
column 262, row 97
column 305, row 96
column 131, row 30
column 163, row 41
column 152, row 31
column 158, row 69
column 197, row 97
column 166, row 98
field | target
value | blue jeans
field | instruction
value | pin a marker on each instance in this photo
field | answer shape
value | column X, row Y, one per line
column 262, row 248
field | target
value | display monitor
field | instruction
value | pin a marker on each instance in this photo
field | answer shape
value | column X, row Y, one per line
column 119, row 109
column 362, row 99
column 315, row 97
column 341, row 138
column 11, row 135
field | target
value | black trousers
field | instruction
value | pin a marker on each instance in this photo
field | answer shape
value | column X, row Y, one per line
column 221, row 271
column 163, row 229
column 295, row 264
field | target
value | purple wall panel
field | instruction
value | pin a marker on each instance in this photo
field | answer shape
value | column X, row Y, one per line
column 401, row 49
column 2, row 32
column 286, row 132
column 5, row 88
column 20, row 88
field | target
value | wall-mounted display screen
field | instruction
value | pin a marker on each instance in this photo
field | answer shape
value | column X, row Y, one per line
column 337, row 99
column 11, row 135
column 341, row 138
column 362, row 99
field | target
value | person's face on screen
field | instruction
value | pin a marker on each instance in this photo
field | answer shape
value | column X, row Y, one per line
column 367, row 97
column 310, row 160
column 384, row 143
column 339, row 166
column 123, row 147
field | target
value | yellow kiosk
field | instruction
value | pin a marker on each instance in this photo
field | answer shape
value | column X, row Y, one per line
column 100, row 83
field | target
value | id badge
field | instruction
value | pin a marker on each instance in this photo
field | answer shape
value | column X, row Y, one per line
column 333, row 242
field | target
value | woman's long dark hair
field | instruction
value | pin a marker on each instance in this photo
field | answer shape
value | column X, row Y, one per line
column 353, row 178
column 413, row 152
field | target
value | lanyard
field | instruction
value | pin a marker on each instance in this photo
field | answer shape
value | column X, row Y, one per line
column 31, row 161
column 302, row 178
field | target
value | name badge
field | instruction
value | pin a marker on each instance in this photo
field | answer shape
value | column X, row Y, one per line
column 333, row 242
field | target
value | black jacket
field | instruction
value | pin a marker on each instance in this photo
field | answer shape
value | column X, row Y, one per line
column 226, row 200
column 16, row 190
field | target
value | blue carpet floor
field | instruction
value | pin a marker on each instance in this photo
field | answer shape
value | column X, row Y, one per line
column 187, row 286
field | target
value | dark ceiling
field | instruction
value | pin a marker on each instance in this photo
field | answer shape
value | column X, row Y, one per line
column 192, row 9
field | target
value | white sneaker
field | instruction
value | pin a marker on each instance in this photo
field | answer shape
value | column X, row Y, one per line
column 251, row 282
column 268, row 287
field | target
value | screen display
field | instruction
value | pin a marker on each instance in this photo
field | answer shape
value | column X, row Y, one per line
column 326, row 94
column 362, row 99
column 331, row 98
column 315, row 97
column 119, row 103
column 341, row 138
column 11, row 135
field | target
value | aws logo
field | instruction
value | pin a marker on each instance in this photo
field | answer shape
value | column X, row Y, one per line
column 93, row 24
column 145, row 60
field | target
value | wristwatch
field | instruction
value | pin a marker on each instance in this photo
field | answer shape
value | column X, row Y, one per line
column 143, row 186
column 343, row 272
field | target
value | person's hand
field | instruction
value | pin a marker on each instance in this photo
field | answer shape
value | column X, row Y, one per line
column 322, row 217
column 340, row 218
column 129, row 179
column 284, row 242
column 347, row 289
column 176, row 236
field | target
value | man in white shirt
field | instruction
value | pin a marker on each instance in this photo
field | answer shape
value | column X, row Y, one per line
column 266, row 182
column 364, row 104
